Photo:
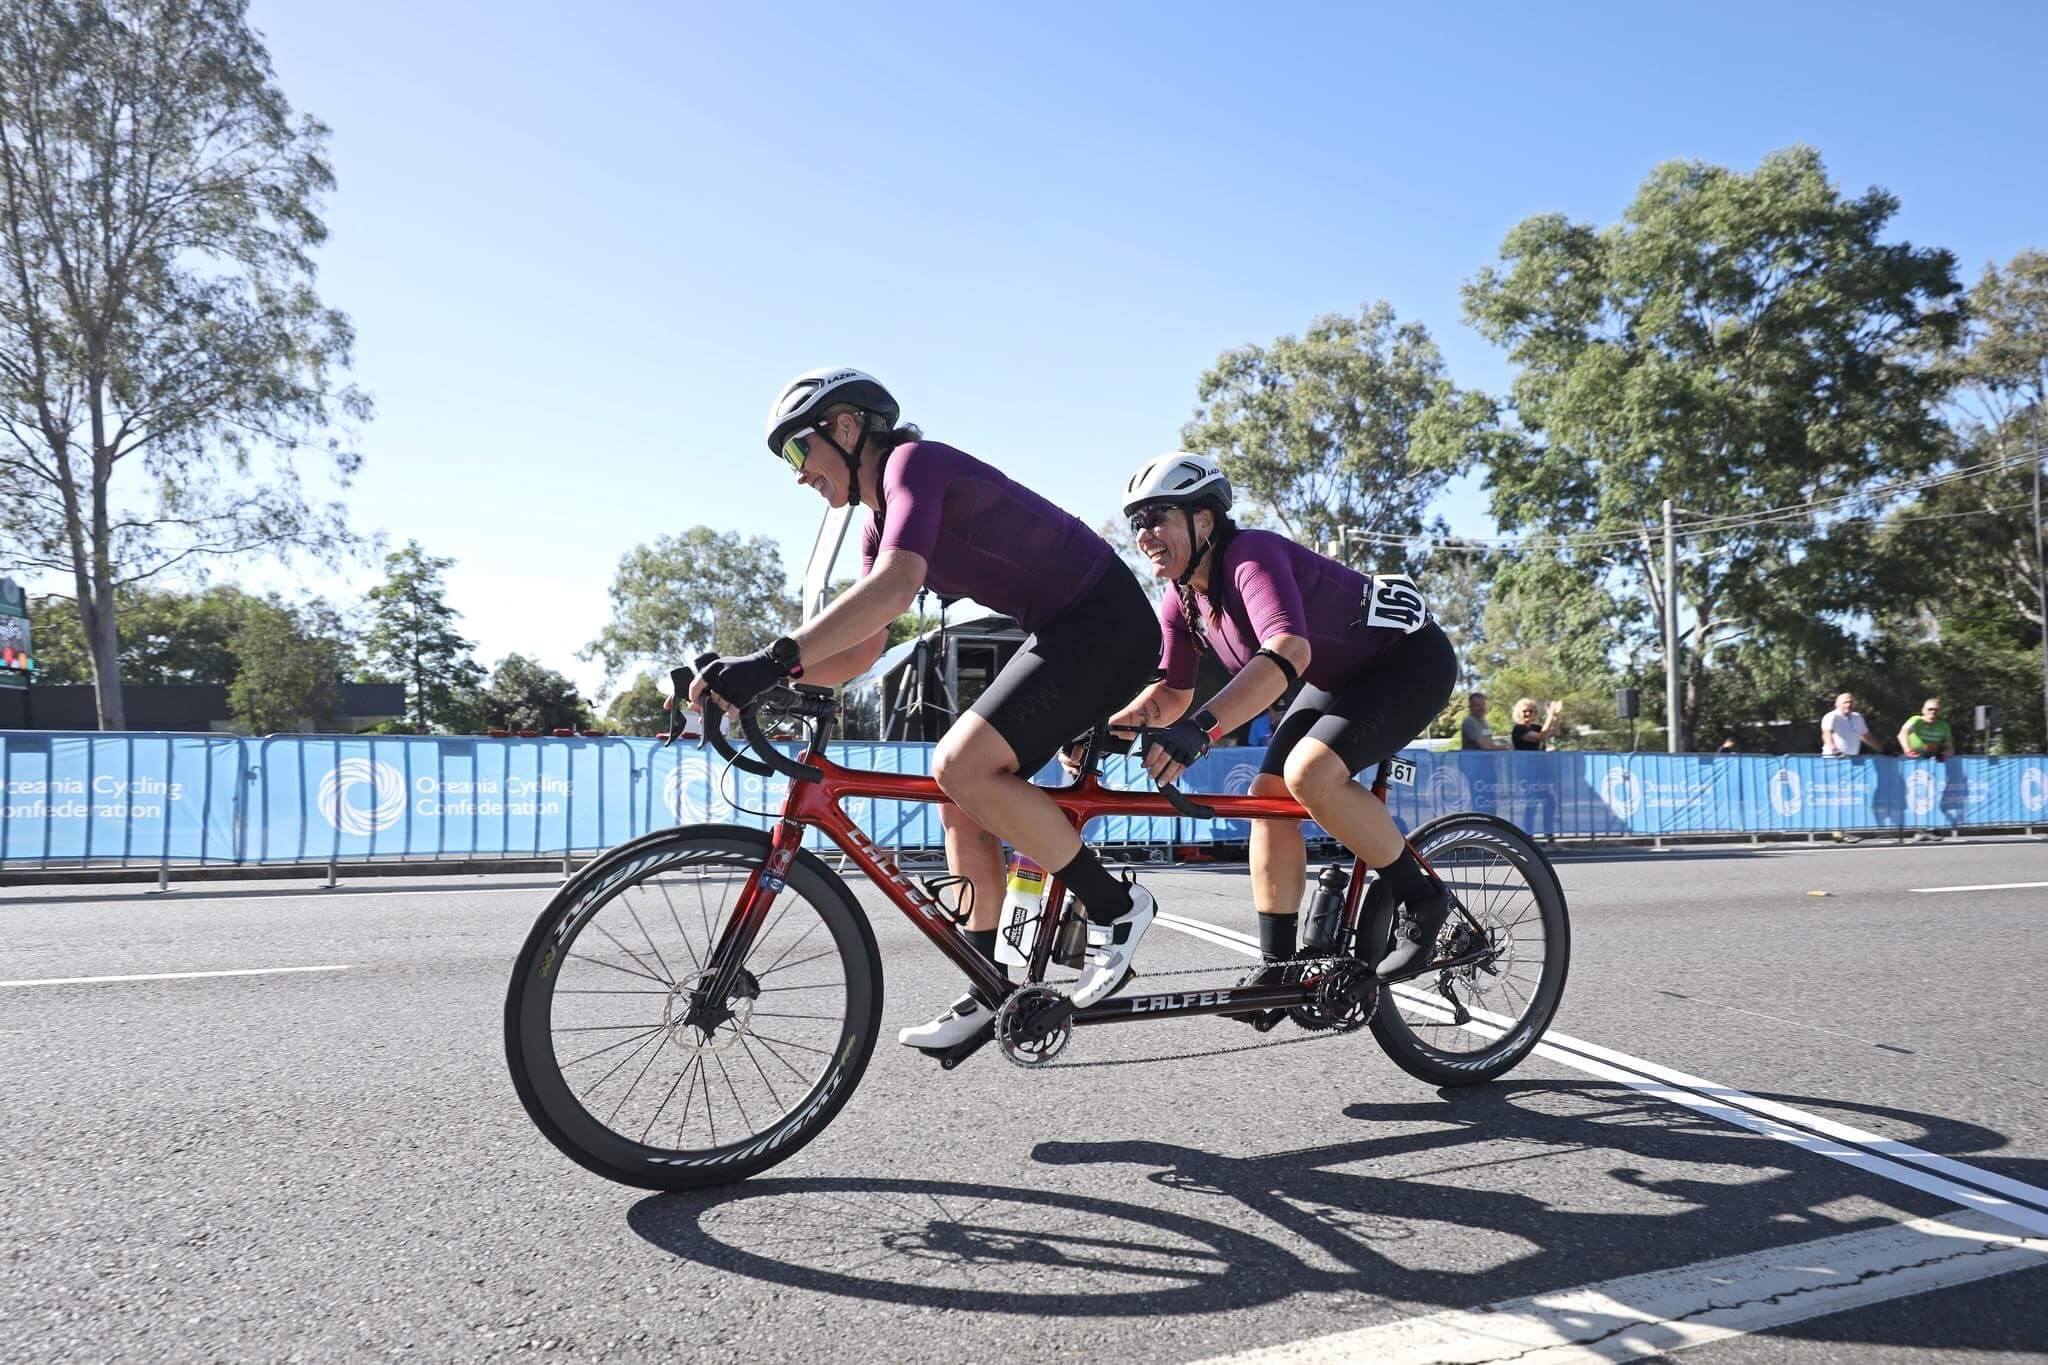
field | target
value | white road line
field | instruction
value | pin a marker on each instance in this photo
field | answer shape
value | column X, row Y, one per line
column 171, row 976
column 2014, row 1201
column 1647, row 1315
column 1987, row 886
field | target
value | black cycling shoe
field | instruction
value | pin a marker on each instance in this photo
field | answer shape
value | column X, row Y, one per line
column 1422, row 919
column 1272, row 972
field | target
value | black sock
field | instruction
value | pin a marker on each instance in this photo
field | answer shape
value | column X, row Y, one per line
column 984, row 941
column 1276, row 936
column 1102, row 895
column 1405, row 876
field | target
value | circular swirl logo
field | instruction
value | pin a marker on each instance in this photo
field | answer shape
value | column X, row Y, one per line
column 1447, row 791
column 1240, row 778
column 686, row 791
column 1786, row 797
column 1622, row 792
column 2034, row 788
column 386, row 786
column 1920, row 792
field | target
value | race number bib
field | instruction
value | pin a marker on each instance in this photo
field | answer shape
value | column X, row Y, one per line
column 1392, row 601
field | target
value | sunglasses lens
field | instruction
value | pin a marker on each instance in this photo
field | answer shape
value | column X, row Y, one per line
column 797, row 449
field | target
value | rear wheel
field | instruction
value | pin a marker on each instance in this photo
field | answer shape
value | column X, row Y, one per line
column 623, row 1065
column 1511, row 900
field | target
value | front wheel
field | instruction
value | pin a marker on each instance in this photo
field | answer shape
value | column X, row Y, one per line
column 1505, row 890
column 619, row 1070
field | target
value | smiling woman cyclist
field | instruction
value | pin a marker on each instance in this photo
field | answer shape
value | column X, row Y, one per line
column 1375, row 670
column 943, row 519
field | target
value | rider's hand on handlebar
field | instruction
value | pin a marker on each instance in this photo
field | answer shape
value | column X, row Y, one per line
column 737, row 679
column 697, row 694
column 1174, row 748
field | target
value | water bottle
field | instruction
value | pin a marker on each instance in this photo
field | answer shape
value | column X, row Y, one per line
column 1017, row 927
column 1326, row 911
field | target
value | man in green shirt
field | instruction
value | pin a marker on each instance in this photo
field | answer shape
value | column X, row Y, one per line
column 1927, row 735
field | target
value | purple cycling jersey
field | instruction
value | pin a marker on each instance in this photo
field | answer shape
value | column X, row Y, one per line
column 1274, row 587
column 982, row 535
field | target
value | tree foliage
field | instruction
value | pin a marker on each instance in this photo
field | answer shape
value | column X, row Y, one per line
column 1737, row 343
column 637, row 708
column 687, row 593
column 160, row 335
column 288, row 667
column 524, row 695
column 412, row 637
column 1352, row 424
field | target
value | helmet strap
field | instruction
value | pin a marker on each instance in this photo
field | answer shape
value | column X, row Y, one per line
column 851, row 457
column 1197, row 554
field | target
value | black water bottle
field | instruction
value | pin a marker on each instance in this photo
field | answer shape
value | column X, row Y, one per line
column 1326, row 911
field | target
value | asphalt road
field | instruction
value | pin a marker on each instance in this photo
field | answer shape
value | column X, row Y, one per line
column 319, row 1164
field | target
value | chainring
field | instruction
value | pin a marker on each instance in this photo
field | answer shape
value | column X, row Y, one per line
column 1020, row 1029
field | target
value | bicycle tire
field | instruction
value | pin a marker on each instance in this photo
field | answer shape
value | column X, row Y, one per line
column 551, row 1100
column 1436, row 842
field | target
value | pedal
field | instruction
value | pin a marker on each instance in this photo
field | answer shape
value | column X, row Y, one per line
column 967, row 1046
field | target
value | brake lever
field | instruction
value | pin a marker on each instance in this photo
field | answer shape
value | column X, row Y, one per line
column 679, row 680
column 1193, row 810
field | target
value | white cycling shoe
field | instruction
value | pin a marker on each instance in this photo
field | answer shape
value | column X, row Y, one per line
column 956, row 1025
column 1110, row 949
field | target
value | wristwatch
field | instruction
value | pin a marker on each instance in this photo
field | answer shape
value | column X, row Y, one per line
column 786, row 656
column 1210, row 725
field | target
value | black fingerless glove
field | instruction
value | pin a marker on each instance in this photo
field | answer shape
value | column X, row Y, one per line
column 743, row 677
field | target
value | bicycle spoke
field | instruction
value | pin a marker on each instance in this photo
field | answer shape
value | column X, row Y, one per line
column 748, row 1048
column 601, row 1051
column 627, row 970
column 650, row 939
column 661, row 885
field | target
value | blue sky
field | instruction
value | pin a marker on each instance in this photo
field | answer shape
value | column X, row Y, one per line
column 583, row 246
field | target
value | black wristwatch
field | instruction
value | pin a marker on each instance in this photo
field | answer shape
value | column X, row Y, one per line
column 786, row 656
column 1210, row 725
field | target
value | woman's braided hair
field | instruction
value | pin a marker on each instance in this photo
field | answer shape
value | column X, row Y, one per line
column 1219, row 536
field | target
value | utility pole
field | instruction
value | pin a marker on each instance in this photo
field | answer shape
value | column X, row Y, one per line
column 2040, row 562
column 1671, row 718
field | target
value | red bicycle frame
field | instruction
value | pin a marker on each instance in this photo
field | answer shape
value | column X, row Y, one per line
column 815, row 802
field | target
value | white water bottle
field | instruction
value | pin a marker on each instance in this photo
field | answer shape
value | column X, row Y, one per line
column 1023, row 899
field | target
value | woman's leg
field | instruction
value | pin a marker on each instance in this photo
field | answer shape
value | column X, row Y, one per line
column 1318, row 778
column 1279, row 871
column 975, row 766
column 972, row 852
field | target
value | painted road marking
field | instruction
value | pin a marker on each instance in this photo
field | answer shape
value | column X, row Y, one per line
column 171, row 976
column 1648, row 1315
column 1987, row 886
column 2016, row 1202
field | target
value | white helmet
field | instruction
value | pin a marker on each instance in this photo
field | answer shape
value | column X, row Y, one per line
column 1177, row 477
column 804, row 399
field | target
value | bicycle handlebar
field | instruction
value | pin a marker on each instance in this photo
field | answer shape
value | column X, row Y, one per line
column 772, row 760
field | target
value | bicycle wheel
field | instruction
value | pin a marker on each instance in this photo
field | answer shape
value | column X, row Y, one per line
column 595, row 1031
column 1507, row 885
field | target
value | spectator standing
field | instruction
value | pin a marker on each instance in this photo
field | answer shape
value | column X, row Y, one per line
column 1843, row 731
column 1927, row 735
column 1728, row 745
column 1526, row 734
column 1472, row 731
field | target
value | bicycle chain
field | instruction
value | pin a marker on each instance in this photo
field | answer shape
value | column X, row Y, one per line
column 1319, row 1036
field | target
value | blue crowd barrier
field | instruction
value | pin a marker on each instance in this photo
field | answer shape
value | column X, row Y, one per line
column 145, row 798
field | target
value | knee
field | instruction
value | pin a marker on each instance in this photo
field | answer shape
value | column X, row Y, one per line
column 1268, row 785
column 1310, row 779
column 960, row 767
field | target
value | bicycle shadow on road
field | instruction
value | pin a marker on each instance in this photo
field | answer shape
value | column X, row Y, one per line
column 1565, row 1183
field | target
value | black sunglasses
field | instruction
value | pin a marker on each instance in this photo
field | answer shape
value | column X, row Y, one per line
column 1151, row 518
